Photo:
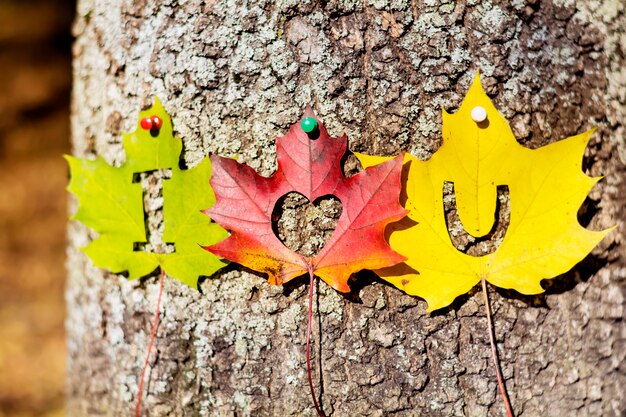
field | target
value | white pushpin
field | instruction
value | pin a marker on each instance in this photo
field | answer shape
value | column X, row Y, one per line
column 479, row 114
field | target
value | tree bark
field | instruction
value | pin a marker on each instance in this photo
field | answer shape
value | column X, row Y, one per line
column 236, row 74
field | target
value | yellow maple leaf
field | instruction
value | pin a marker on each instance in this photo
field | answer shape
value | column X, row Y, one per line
column 546, row 188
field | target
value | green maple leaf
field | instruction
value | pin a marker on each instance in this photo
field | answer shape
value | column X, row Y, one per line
column 112, row 205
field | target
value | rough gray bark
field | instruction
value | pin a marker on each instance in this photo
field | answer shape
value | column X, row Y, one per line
column 235, row 74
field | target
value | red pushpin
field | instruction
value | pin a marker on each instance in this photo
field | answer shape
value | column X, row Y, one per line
column 156, row 122
column 152, row 123
column 147, row 123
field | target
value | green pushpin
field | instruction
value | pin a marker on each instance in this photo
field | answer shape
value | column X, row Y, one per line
column 308, row 124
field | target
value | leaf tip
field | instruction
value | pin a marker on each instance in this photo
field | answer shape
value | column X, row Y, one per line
column 434, row 306
column 585, row 137
column 608, row 230
column 342, row 287
column 157, row 106
column 207, row 211
column 477, row 76
column 309, row 112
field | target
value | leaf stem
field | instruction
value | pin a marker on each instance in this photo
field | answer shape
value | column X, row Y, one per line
column 494, row 354
column 308, row 340
column 155, row 323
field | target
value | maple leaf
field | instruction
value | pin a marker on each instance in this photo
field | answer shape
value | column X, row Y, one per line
column 546, row 189
column 311, row 167
column 112, row 204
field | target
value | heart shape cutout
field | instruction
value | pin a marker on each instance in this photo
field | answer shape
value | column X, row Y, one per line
column 305, row 227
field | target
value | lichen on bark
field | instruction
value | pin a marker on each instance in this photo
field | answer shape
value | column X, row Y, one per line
column 236, row 74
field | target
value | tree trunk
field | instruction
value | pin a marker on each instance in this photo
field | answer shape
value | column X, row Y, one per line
column 234, row 75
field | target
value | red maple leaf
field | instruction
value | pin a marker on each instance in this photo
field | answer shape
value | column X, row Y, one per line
column 311, row 167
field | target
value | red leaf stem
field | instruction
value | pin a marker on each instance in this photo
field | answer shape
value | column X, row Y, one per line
column 155, row 323
column 494, row 354
column 308, row 340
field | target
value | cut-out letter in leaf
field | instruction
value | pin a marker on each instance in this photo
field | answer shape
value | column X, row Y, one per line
column 546, row 188
column 543, row 238
column 112, row 204
column 310, row 164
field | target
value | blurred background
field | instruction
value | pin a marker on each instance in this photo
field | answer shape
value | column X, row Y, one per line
column 35, row 82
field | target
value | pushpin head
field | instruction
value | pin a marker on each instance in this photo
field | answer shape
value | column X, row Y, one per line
column 146, row 123
column 156, row 122
column 308, row 124
column 479, row 114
